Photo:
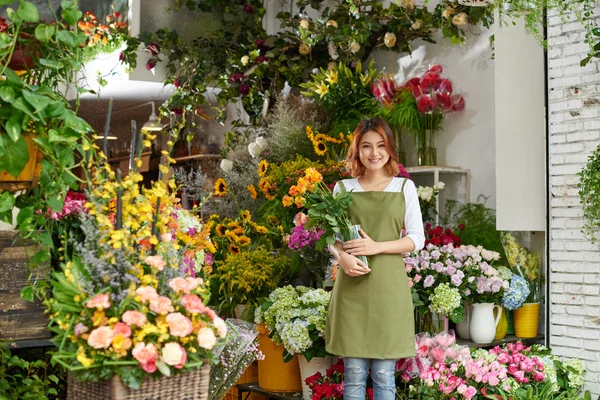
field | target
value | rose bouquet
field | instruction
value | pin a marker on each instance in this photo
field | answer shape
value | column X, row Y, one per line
column 296, row 318
column 123, row 303
column 427, row 199
column 440, row 236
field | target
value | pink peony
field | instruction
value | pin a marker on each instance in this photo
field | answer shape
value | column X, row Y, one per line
column 193, row 303
column 206, row 338
column 146, row 355
column 179, row 324
column 173, row 354
column 122, row 329
column 134, row 318
column 147, row 293
column 101, row 300
column 161, row 305
column 101, row 338
column 156, row 262
column 221, row 326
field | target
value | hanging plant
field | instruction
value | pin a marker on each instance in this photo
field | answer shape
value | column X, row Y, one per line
column 589, row 188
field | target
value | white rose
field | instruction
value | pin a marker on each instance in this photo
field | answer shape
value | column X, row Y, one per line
column 226, row 165
column 490, row 255
column 426, row 193
column 417, row 25
column 355, row 47
column 389, row 39
column 254, row 149
column 221, row 326
column 245, row 60
column 439, row 186
column 304, row 23
column 461, row 19
column 262, row 142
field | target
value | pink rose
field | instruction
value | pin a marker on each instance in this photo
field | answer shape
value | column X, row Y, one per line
column 444, row 339
column 206, row 338
column 101, row 300
column 221, row 326
column 122, row 329
column 147, row 293
column 80, row 329
column 437, row 354
column 470, row 392
column 173, row 354
column 179, row 324
column 417, row 278
column 134, row 318
column 161, row 305
column 146, row 355
column 193, row 303
column 101, row 338
column 179, row 285
column 156, row 262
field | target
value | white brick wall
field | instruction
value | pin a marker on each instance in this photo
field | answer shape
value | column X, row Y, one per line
column 574, row 108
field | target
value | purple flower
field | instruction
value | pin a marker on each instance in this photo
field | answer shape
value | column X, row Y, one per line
column 455, row 279
column 435, row 254
column 208, row 259
column 428, row 281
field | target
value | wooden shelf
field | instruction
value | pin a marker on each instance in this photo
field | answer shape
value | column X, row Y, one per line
column 507, row 339
column 198, row 157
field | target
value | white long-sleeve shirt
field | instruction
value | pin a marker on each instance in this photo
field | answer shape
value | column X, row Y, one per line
column 413, row 221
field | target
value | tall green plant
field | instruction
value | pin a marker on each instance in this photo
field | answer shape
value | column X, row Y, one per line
column 589, row 188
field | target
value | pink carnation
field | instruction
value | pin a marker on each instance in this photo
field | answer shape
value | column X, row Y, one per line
column 173, row 354
column 185, row 285
column 161, row 305
column 134, row 318
column 146, row 355
column 122, row 329
column 147, row 293
column 206, row 338
column 156, row 262
column 193, row 303
column 101, row 300
column 100, row 338
column 179, row 324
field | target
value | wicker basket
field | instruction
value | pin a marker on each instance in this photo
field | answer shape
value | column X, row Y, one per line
column 191, row 385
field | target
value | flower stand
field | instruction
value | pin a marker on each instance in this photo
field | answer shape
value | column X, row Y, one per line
column 192, row 385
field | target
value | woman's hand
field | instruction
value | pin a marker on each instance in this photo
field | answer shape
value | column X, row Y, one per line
column 362, row 247
column 353, row 266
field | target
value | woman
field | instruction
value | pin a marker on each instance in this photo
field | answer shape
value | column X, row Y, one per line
column 371, row 312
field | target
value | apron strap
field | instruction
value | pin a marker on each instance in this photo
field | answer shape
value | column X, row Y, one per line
column 342, row 186
column 403, row 183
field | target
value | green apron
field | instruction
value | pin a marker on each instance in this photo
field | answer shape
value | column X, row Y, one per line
column 371, row 316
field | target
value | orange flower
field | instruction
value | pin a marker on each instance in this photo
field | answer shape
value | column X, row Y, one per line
column 313, row 175
column 302, row 185
column 287, row 201
column 252, row 190
column 299, row 201
column 294, row 191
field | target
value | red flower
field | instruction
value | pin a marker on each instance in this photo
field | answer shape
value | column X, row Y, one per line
column 445, row 101
column 150, row 64
column 122, row 57
column 427, row 227
column 261, row 59
column 429, row 79
column 458, row 102
column 426, row 103
column 339, row 366
column 249, row 9
column 461, row 226
column 437, row 69
column 237, row 77
column 436, row 240
column 244, row 89
column 153, row 48
column 311, row 380
column 444, row 86
column 260, row 42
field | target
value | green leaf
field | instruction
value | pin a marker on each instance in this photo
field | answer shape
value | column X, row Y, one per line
column 27, row 293
column 38, row 101
column 132, row 377
column 163, row 368
column 22, row 105
column 15, row 157
column 66, row 156
column 74, row 122
column 12, row 77
column 50, row 63
column 44, row 32
column 596, row 31
column 7, row 94
column 13, row 126
column 25, row 216
column 40, row 257
column 70, row 38
column 5, row 41
column 55, row 109
column 7, row 201
column 458, row 315
column 53, row 378
column 28, row 12
column 56, row 203
column 71, row 15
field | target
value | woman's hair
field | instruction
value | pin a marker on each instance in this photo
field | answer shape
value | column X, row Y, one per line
column 353, row 163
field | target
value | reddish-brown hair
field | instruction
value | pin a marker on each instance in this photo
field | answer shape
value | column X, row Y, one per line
column 378, row 125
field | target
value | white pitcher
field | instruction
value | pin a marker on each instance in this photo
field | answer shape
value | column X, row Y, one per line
column 483, row 323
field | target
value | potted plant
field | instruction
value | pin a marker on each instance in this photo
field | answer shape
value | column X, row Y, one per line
column 295, row 318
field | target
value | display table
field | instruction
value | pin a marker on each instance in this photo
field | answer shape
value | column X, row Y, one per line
column 253, row 387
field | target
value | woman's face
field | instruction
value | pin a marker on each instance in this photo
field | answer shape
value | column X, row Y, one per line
column 372, row 152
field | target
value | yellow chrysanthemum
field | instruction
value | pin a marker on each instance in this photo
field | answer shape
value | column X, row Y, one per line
column 320, row 148
column 263, row 166
column 252, row 190
column 220, row 187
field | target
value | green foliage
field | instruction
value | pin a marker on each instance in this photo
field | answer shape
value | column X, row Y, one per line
column 589, row 187
column 479, row 225
column 25, row 380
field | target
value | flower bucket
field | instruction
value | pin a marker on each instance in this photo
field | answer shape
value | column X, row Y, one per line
column 28, row 178
column 527, row 319
column 192, row 385
column 309, row 368
column 275, row 375
column 502, row 327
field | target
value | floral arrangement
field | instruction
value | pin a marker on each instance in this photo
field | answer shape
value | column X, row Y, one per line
column 302, row 241
column 246, row 277
column 441, row 277
column 331, row 386
column 439, row 236
column 296, row 317
column 123, row 303
column 525, row 264
column 331, row 147
column 517, row 292
column 427, row 199
column 109, row 36
column 235, row 357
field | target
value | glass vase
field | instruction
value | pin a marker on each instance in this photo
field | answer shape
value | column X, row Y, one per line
column 430, row 322
column 354, row 231
column 426, row 150
column 401, row 152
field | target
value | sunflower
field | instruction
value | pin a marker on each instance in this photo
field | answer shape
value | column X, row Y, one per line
column 309, row 133
column 244, row 241
column 326, row 138
column 220, row 187
column 262, row 167
column 320, row 148
column 261, row 229
column 246, row 215
column 252, row 190
column 221, row 229
column 263, row 185
column 273, row 219
column 234, row 248
column 231, row 236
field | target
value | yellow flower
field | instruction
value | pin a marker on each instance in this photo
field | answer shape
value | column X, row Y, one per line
column 86, row 362
column 287, row 200
column 332, row 77
column 262, row 167
column 320, row 148
column 252, row 190
column 321, row 89
column 300, row 201
column 261, row 229
column 234, row 249
column 231, row 236
column 326, row 138
column 221, row 229
column 313, row 175
column 309, row 132
column 273, row 219
column 264, row 185
column 246, row 215
column 244, row 240
column 220, row 187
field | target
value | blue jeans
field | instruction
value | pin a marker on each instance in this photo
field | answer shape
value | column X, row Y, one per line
column 382, row 373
